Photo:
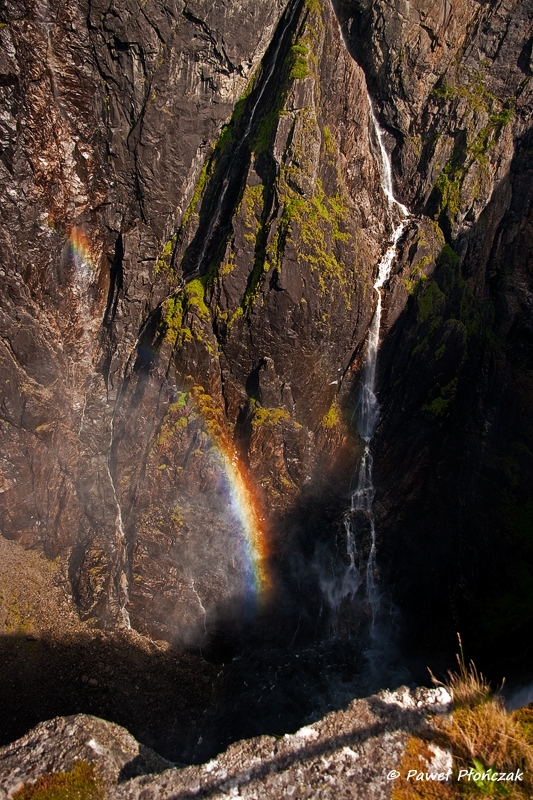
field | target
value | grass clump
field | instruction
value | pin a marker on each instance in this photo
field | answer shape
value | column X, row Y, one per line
column 269, row 416
column 78, row 784
column 481, row 729
column 172, row 318
column 299, row 68
column 165, row 257
column 195, row 297
column 481, row 736
column 468, row 687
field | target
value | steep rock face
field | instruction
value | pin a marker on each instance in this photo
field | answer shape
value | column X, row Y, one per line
column 454, row 448
column 245, row 362
column 77, row 208
column 181, row 300
column 193, row 217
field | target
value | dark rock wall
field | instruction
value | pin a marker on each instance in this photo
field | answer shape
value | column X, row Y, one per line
column 192, row 221
column 188, row 254
column 249, row 355
column 86, row 90
column 455, row 450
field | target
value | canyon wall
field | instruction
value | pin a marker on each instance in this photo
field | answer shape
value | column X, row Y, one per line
column 192, row 221
column 191, row 228
column 455, row 447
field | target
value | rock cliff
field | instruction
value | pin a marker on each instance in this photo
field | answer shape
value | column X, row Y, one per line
column 193, row 215
column 190, row 233
column 455, row 445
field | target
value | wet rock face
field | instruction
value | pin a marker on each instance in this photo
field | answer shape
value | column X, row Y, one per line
column 80, row 242
column 192, row 220
column 181, row 301
column 256, row 345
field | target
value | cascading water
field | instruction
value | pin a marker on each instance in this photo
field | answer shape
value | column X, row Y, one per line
column 123, row 590
column 362, row 498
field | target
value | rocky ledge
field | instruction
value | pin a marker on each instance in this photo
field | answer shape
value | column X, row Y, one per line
column 347, row 754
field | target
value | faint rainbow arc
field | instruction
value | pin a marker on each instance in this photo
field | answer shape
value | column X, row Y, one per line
column 78, row 243
column 244, row 501
column 244, row 507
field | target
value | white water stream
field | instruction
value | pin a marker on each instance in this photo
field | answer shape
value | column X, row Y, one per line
column 362, row 499
column 123, row 588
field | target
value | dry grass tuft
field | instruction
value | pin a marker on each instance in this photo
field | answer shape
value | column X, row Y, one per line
column 480, row 727
column 487, row 732
column 468, row 687
column 478, row 730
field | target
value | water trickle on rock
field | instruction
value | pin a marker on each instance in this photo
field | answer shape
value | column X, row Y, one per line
column 122, row 588
column 264, row 83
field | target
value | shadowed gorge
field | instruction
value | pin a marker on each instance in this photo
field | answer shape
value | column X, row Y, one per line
column 265, row 357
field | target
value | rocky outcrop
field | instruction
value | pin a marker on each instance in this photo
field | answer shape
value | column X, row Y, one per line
column 57, row 745
column 347, row 754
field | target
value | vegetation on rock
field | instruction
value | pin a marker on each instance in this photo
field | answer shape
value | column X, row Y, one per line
column 482, row 736
column 78, row 784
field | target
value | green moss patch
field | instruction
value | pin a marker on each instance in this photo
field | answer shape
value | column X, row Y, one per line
column 172, row 318
column 331, row 417
column 269, row 416
column 165, row 257
column 472, row 144
column 78, row 784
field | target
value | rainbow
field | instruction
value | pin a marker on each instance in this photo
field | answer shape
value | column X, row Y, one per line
column 251, row 526
column 243, row 502
column 81, row 248
column 78, row 244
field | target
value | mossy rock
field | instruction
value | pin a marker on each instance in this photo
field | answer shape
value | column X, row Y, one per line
column 80, row 783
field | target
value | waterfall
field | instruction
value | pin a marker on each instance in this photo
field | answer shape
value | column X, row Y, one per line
column 362, row 499
column 385, row 168
column 200, row 603
column 123, row 589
